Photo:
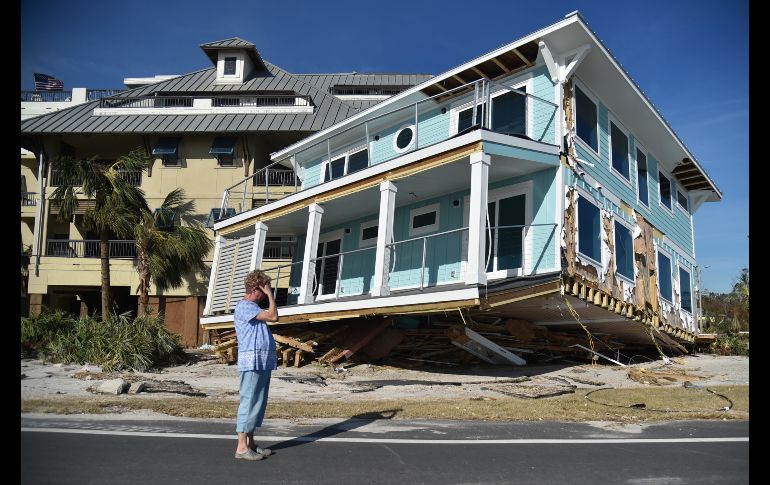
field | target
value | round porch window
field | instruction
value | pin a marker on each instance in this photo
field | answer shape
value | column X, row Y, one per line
column 403, row 139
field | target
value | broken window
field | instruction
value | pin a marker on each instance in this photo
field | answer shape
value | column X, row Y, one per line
column 589, row 230
column 664, row 277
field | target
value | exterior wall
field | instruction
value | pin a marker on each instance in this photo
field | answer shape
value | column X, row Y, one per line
column 181, row 316
column 445, row 254
column 677, row 226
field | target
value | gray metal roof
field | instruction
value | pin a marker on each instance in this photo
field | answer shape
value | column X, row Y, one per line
column 362, row 104
column 234, row 43
column 231, row 42
column 80, row 119
column 325, row 81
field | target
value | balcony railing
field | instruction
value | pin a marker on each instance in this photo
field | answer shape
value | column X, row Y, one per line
column 89, row 248
column 46, row 96
column 482, row 104
column 133, row 177
column 268, row 184
column 275, row 177
column 94, row 94
column 251, row 101
column 279, row 249
column 28, row 199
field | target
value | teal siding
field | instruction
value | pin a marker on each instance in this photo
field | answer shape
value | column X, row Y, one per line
column 543, row 115
column 678, row 227
column 312, row 173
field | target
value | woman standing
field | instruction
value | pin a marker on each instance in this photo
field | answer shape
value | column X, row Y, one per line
column 256, row 361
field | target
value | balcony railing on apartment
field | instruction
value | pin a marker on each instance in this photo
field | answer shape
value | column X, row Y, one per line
column 266, row 185
column 279, row 249
column 133, row 177
column 65, row 96
column 254, row 100
column 89, row 248
column 414, row 264
column 482, row 104
column 28, row 199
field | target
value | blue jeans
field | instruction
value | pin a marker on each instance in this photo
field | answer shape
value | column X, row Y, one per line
column 255, row 385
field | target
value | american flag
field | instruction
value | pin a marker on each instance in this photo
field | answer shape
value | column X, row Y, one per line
column 44, row 82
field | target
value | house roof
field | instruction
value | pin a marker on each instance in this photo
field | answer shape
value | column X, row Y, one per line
column 234, row 43
column 326, row 81
column 81, row 119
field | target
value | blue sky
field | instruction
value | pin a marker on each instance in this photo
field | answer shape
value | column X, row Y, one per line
column 689, row 57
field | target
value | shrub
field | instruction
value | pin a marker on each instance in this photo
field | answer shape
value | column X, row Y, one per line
column 117, row 343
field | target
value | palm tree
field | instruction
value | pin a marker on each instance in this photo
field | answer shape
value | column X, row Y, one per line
column 117, row 203
column 167, row 250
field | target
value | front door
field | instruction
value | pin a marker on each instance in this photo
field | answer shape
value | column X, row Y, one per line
column 505, row 244
column 326, row 268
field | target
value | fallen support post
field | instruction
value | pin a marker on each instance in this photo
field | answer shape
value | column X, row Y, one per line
column 482, row 347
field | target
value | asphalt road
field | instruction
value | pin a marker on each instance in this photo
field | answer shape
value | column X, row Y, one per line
column 69, row 450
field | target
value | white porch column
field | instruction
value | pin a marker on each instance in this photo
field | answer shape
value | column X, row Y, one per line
column 218, row 240
column 258, row 249
column 380, row 286
column 476, row 271
column 311, row 246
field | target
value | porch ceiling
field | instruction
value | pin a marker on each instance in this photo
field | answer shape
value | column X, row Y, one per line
column 421, row 186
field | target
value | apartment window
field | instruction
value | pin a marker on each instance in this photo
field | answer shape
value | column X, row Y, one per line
column 681, row 199
column 619, row 151
column 684, row 289
column 586, row 119
column 641, row 177
column 167, row 150
column 230, row 65
column 589, row 230
column 368, row 233
column 345, row 164
column 165, row 219
column 624, row 251
column 664, row 277
column 404, row 139
column 509, row 113
column 223, row 149
column 423, row 220
column 664, row 185
column 465, row 118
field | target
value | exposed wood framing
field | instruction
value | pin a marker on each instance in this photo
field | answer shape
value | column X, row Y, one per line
column 478, row 71
column 462, row 81
column 373, row 181
column 501, row 65
column 522, row 57
column 519, row 294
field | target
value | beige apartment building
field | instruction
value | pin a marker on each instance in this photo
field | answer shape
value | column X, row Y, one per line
column 206, row 132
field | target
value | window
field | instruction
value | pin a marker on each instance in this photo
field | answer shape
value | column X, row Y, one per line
column 230, row 64
column 664, row 277
column 681, row 199
column 589, row 230
column 216, row 215
column 509, row 114
column 664, row 185
column 223, row 149
column 423, row 220
column 586, row 119
column 165, row 219
column 166, row 149
column 619, row 151
column 641, row 177
column 404, row 139
column 368, row 233
column 624, row 251
column 684, row 289
column 345, row 164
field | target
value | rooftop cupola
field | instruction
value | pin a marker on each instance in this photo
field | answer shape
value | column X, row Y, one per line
column 234, row 58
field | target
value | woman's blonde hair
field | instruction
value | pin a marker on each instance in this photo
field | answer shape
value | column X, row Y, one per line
column 255, row 279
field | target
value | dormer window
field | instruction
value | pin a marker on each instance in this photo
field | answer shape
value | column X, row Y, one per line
column 224, row 149
column 230, row 66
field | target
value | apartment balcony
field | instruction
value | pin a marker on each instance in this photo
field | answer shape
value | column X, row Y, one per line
column 89, row 248
column 214, row 104
column 133, row 177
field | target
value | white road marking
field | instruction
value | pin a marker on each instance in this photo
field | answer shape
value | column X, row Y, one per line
column 276, row 439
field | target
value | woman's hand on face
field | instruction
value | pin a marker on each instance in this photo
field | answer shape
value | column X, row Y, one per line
column 266, row 289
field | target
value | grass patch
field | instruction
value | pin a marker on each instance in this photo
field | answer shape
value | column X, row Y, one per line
column 572, row 407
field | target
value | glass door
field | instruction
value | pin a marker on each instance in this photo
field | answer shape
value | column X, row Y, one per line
column 507, row 243
column 326, row 269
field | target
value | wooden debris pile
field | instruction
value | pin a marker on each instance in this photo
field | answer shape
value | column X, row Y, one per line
column 408, row 342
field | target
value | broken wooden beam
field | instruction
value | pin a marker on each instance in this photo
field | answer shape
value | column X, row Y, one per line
column 292, row 342
column 482, row 347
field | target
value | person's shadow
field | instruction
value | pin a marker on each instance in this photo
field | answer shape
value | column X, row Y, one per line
column 351, row 423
